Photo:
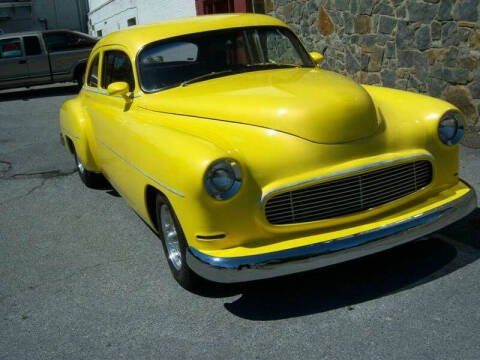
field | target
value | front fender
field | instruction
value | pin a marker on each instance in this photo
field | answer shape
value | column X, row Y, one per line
column 404, row 110
column 174, row 162
column 409, row 116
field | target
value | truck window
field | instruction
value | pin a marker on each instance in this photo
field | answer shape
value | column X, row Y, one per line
column 93, row 74
column 63, row 41
column 117, row 67
column 11, row 48
column 32, row 45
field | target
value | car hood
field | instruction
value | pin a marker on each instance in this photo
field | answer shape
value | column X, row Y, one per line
column 317, row 105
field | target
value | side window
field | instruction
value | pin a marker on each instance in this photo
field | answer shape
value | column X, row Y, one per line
column 180, row 51
column 82, row 41
column 63, row 41
column 277, row 48
column 10, row 48
column 93, row 74
column 32, row 45
column 117, row 67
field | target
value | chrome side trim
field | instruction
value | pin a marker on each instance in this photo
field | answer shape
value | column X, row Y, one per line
column 61, row 73
column 378, row 164
column 96, row 91
column 103, row 92
column 144, row 173
column 273, row 264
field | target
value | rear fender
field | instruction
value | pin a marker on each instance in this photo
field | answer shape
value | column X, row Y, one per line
column 76, row 127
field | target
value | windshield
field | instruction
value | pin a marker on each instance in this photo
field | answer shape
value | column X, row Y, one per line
column 199, row 57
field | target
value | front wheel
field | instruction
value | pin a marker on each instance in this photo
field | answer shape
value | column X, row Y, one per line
column 174, row 244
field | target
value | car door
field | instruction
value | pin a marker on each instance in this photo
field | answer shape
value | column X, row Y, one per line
column 37, row 60
column 13, row 63
column 109, row 114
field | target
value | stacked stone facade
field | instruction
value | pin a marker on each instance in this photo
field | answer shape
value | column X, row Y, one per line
column 429, row 46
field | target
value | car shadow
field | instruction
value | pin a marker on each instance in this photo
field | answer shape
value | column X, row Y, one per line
column 354, row 282
column 27, row 94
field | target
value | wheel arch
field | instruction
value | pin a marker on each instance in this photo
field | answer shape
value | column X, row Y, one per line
column 79, row 68
column 150, row 195
column 75, row 127
column 69, row 144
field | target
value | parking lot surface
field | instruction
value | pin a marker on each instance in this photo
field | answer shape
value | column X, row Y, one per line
column 82, row 277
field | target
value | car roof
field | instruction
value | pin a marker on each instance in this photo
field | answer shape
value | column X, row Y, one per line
column 136, row 37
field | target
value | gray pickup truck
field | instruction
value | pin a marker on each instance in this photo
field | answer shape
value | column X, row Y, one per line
column 43, row 57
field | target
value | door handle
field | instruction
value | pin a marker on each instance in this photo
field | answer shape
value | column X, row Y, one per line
column 22, row 62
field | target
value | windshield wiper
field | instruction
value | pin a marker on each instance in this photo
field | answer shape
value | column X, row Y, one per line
column 206, row 76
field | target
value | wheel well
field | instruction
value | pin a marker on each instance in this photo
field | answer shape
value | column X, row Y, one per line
column 150, row 195
column 70, row 145
column 80, row 70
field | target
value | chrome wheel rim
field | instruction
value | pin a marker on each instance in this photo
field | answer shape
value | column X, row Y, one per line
column 80, row 167
column 170, row 236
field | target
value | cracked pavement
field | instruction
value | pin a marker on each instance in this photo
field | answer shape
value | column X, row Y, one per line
column 82, row 277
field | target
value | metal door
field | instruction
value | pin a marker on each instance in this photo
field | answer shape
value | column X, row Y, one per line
column 37, row 60
column 13, row 63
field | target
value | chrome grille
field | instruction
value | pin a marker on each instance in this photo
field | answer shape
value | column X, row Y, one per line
column 348, row 195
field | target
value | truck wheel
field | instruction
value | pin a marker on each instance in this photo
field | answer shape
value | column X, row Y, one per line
column 79, row 76
column 174, row 244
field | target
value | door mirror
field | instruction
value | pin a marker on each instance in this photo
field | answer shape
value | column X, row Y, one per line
column 316, row 57
column 119, row 88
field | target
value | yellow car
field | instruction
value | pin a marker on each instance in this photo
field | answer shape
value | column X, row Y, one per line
column 249, row 160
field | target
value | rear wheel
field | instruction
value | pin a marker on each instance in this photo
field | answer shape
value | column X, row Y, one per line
column 174, row 244
column 89, row 178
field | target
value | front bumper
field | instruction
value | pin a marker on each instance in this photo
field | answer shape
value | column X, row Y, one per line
column 304, row 258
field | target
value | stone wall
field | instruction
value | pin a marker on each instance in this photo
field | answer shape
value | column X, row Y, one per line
column 429, row 46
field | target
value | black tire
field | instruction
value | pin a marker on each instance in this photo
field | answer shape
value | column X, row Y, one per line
column 89, row 178
column 187, row 279
column 79, row 77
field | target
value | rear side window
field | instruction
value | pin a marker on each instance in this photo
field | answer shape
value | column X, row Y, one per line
column 32, row 45
column 11, row 48
column 117, row 67
column 63, row 41
column 93, row 74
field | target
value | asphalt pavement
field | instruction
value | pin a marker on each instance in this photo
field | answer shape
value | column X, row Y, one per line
column 82, row 277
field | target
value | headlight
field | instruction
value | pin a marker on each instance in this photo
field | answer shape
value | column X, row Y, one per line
column 450, row 128
column 223, row 179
